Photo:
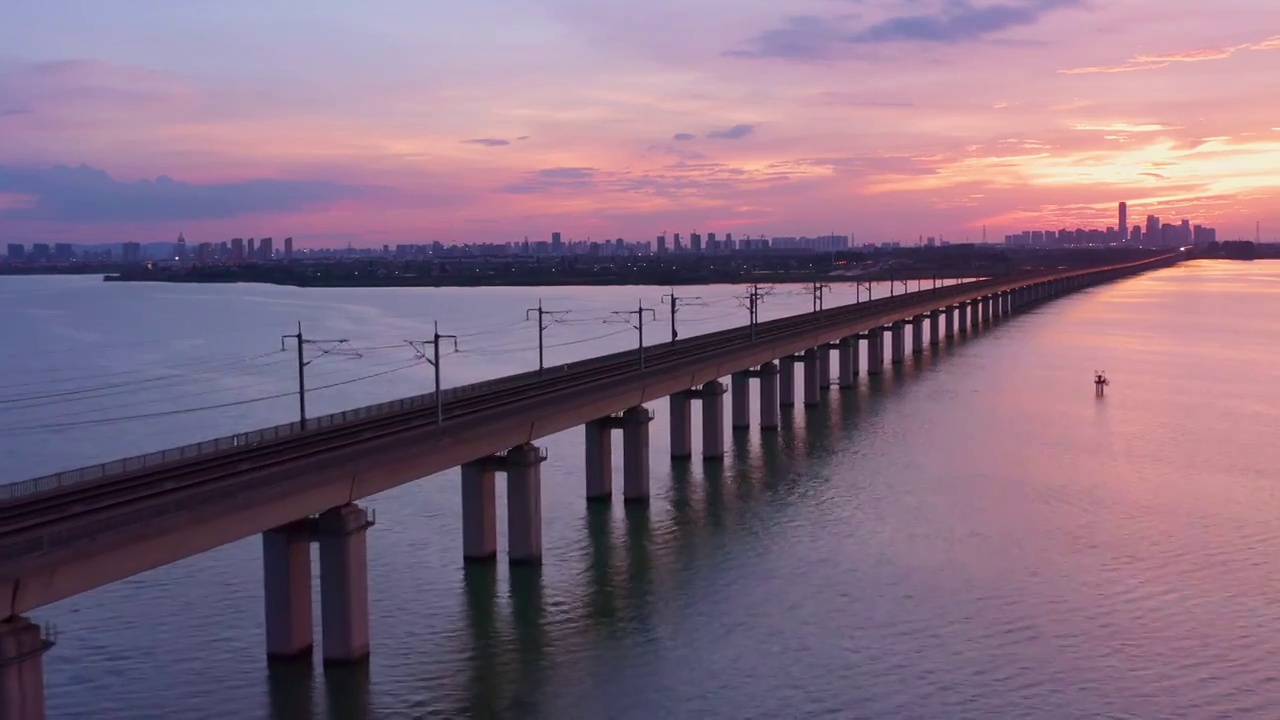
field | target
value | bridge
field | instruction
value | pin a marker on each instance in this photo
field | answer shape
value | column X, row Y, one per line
column 74, row 531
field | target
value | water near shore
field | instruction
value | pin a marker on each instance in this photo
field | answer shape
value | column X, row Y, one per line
column 974, row 535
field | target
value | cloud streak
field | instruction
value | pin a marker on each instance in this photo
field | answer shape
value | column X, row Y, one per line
column 486, row 142
column 737, row 132
column 810, row 37
column 1139, row 63
column 87, row 194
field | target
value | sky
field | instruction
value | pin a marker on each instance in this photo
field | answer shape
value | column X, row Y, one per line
column 402, row 121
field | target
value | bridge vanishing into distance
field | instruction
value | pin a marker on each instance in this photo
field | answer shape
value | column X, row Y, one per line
column 68, row 533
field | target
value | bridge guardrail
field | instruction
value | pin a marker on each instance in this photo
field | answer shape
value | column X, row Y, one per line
column 279, row 432
column 255, row 437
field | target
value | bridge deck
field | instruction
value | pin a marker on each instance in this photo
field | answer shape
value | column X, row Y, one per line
column 62, row 541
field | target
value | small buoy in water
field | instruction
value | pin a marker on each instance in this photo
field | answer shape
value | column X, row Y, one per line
column 1100, row 382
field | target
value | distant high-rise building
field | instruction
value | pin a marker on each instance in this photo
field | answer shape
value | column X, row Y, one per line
column 17, row 252
column 265, row 252
column 288, row 249
column 40, row 253
column 1186, row 232
column 180, row 249
column 132, row 252
column 63, row 252
column 557, row 244
column 662, row 244
column 1124, row 218
column 675, row 243
column 1152, row 236
column 695, row 242
column 237, row 250
column 251, row 251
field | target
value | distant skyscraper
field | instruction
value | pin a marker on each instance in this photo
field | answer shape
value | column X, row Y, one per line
column 17, row 252
column 251, row 252
column 1152, row 237
column 1124, row 219
column 695, row 242
column 180, row 248
column 662, row 244
column 288, row 249
column 1186, row 232
column 556, row 243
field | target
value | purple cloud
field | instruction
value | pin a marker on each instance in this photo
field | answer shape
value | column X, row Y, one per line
column 683, row 136
column 809, row 37
column 486, row 142
column 87, row 194
column 736, row 132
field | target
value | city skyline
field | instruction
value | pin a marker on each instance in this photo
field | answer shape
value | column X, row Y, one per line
column 396, row 123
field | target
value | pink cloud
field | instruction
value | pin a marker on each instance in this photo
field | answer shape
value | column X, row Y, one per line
column 1155, row 62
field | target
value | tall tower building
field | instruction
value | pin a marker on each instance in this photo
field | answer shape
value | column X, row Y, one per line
column 1124, row 220
column 1152, row 237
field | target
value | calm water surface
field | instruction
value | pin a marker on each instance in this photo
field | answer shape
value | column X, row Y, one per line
column 974, row 535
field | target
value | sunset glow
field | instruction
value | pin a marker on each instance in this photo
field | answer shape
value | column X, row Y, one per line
column 394, row 121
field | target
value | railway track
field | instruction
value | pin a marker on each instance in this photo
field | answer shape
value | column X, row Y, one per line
column 92, row 506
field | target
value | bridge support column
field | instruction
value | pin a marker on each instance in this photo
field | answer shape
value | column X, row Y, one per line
column 847, row 358
column 635, row 454
column 812, row 379
column 524, row 504
column 740, row 400
column 344, row 583
column 962, row 314
column 681, row 425
column 787, row 381
column 824, row 367
column 713, row 420
column 917, row 335
column 985, row 305
column 480, row 510
column 286, row 584
column 769, row 410
column 599, row 457
column 975, row 320
column 935, row 328
column 898, row 336
column 950, row 322
column 22, row 649
column 875, row 351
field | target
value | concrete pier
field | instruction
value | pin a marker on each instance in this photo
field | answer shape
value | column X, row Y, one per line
column 875, row 351
column 769, row 409
column 787, row 381
column 713, row 420
column 740, row 400
column 681, row 425
column 962, row 315
column 950, row 322
column 917, row 335
column 975, row 312
column 898, row 337
column 598, row 441
column 935, row 328
column 22, row 649
column 480, row 509
column 344, row 583
column 635, row 454
column 524, row 504
column 824, row 366
column 812, row 377
column 286, row 583
column 847, row 359
column 985, row 304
